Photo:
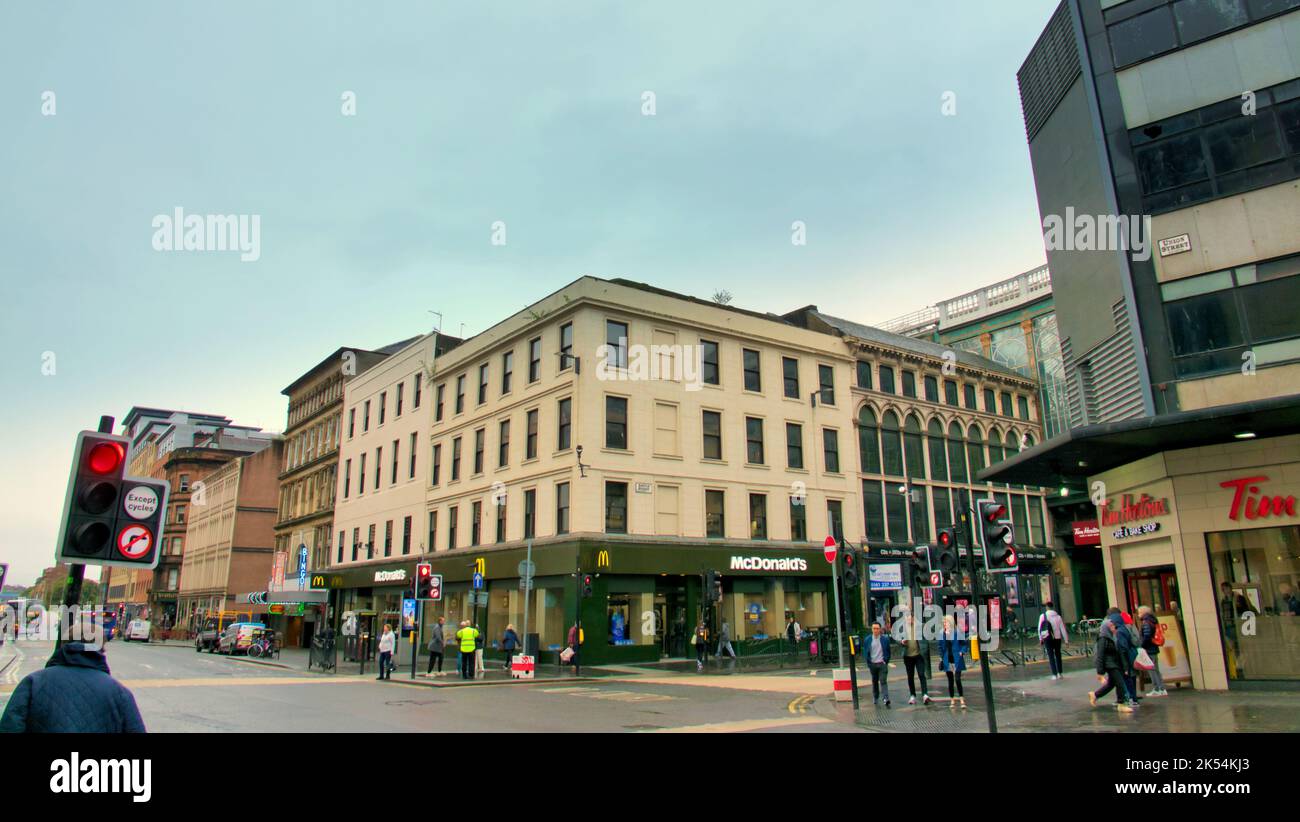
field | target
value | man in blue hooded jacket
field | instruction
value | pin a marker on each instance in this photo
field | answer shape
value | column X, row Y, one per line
column 73, row 694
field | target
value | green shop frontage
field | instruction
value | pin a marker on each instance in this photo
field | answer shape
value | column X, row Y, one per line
column 646, row 595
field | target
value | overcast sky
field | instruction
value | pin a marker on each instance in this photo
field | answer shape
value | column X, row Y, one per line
column 528, row 113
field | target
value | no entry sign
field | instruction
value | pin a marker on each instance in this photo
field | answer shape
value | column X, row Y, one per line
column 829, row 549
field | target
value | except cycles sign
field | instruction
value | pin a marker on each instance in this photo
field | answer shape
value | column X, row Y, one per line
column 141, row 502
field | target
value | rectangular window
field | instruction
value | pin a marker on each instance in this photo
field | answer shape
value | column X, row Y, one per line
column 1022, row 407
column 831, row 442
column 715, row 519
column 379, row 465
column 886, row 379
column 616, row 422
column 475, row 522
column 452, row 522
column 347, row 477
column 753, row 375
column 616, row 507
column 790, row 376
column 342, row 539
column 968, row 392
column 501, row 520
column 436, row 477
column 410, row 474
column 361, row 476
column 433, row 531
column 564, row 429
column 758, row 516
column 1005, row 398
column 530, row 513
column 566, row 346
column 356, row 542
column 835, row 518
column 896, row 514
column 826, row 384
column 754, row 440
column 352, row 422
column 873, row 510
column 397, row 412
column 950, row 392
column 507, row 371
column 455, row 459
column 388, row 538
column 666, row 429
column 616, row 340
column 460, row 393
column 1143, row 36
column 365, row 417
column 534, row 360
column 437, row 403
column 931, row 389
column 794, row 445
column 921, row 516
column 482, row 383
column 419, row 389
column 530, row 435
column 712, row 435
column 383, row 404
column 798, row 520
column 180, row 514
column 1199, row 19
column 406, row 535
column 990, row 405
column 864, row 375
column 503, row 444
column 393, row 479
column 480, row 436
column 710, row 373
column 909, row 384
column 562, row 508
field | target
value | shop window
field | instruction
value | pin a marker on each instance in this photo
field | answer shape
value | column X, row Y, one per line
column 623, row 612
column 1256, row 576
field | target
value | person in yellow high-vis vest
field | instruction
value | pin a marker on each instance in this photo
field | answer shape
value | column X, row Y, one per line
column 466, row 641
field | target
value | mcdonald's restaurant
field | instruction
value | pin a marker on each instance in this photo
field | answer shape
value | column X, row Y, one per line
column 645, row 595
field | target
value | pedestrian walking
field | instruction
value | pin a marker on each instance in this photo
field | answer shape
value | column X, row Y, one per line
column 724, row 640
column 480, row 670
column 876, row 650
column 1053, row 634
column 916, row 658
column 700, row 639
column 387, row 644
column 952, row 661
column 1149, row 631
column 575, row 644
column 792, row 633
column 1111, row 664
column 74, row 693
column 437, row 642
column 1126, row 637
column 509, row 642
column 466, row 641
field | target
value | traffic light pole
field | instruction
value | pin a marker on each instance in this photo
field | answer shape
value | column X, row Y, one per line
column 853, row 656
column 77, row 570
column 977, row 592
column 577, row 620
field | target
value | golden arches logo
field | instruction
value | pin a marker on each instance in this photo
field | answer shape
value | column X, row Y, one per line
column 480, row 566
column 602, row 559
column 318, row 581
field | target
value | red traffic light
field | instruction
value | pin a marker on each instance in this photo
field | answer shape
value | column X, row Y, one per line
column 993, row 513
column 945, row 538
column 423, row 570
column 105, row 457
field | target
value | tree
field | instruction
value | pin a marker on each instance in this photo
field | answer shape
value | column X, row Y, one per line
column 722, row 296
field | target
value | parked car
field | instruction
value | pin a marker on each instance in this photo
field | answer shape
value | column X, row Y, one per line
column 206, row 637
column 138, row 629
column 237, row 636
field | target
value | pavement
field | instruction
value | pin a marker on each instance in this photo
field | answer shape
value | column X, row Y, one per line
column 181, row 691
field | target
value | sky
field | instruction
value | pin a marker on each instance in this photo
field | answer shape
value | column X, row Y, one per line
column 529, row 114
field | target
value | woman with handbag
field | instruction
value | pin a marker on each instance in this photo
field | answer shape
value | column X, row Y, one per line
column 387, row 642
column 700, row 639
column 1149, row 631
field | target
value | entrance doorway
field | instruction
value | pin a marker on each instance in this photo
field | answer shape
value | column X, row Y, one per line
column 1155, row 587
column 672, row 628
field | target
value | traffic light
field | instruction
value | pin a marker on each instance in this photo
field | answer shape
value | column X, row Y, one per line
column 108, row 517
column 849, row 566
column 712, row 586
column 423, row 581
column 945, row 551
column 921, row 566
column 587, row 580
column 995, row 529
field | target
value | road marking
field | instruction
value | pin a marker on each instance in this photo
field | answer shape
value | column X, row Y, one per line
column 237, row 681
column 800, row 704
column 743, row 725
column 11, row 673
column 738, row 682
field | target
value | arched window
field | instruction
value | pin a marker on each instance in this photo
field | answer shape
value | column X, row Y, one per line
column 974, row 451
column 995, row 446
column 891, row 444
column 938, row 454
column 912, row 447
column 956, row 454
column 868, row 441
column 1012, row 442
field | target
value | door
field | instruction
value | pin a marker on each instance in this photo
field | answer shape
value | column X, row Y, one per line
column 1156, row 588
column 671, row 624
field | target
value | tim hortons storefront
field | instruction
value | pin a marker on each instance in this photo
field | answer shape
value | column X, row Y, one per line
column 1199, row 520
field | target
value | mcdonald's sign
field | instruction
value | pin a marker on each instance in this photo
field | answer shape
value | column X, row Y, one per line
column 602, row 558
column 480, row 566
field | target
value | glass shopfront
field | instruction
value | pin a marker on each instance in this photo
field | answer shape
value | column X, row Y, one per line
column 1257, row 590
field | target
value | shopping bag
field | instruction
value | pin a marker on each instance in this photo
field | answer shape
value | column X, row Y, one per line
column 566, row 654
column 1143, row 661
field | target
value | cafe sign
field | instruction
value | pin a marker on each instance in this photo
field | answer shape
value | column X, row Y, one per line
column 1248, row 502
column 1086, row 532
column 1133, row 509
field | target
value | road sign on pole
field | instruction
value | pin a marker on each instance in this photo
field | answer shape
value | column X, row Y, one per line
column 830, row 550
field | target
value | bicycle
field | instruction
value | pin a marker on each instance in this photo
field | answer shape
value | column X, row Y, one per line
column 264, row 646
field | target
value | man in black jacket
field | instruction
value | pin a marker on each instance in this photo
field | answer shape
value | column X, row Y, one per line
column 1112, row 666
column 73, row 694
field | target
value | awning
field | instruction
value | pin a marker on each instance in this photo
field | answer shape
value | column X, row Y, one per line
column 1080, row 453
column 283, row 597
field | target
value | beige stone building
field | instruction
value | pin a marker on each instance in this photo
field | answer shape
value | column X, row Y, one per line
column 646, row 437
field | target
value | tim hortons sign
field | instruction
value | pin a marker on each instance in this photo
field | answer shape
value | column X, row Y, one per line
column 1248, row 502
column 1130, row 510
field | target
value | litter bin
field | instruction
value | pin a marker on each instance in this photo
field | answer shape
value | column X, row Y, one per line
column 532, row 644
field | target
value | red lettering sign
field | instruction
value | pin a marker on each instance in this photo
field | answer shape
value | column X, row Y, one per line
column 1245, row 500
column 1087, row 532
column 1130, row 509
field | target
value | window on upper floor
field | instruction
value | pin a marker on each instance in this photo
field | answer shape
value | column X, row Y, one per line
column 751, row 361
column 710, row 371
column 790, row 377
